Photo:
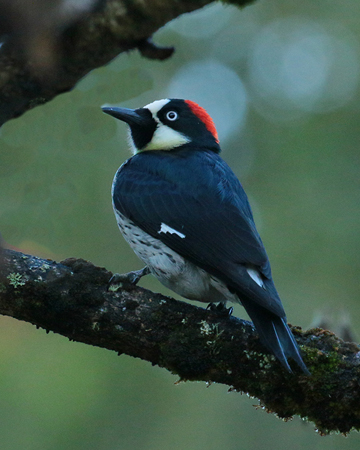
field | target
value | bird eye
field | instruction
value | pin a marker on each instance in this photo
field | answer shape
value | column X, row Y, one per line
column 171, row 115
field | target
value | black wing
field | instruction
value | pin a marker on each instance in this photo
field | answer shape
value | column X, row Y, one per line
column 198, row 196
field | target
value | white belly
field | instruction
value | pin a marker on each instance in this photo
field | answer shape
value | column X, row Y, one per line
column 171, row 269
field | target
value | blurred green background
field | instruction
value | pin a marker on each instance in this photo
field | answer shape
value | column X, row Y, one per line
column 281, row 80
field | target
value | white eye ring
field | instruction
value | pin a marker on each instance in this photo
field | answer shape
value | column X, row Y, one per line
column 171, row 115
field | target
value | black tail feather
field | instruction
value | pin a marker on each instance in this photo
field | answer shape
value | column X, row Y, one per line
column 276, row 335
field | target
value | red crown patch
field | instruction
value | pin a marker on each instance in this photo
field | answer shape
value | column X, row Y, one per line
column 204, row 117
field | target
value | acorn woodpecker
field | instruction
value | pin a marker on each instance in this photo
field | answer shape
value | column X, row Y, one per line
column 187, row 217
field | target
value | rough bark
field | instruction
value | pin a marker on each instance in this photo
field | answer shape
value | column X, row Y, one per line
column 50, row 60
column 72, row 298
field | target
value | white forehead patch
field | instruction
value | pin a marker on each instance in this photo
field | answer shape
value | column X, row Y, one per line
column 155, row 107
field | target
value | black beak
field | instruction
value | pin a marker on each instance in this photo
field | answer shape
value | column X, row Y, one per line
column 141, row 122
column 130, row 116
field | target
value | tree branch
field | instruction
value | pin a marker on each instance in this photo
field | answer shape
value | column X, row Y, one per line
column 72, row 298
column 54, row 57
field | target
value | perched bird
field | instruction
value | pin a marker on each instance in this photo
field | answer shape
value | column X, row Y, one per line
column 187, row 217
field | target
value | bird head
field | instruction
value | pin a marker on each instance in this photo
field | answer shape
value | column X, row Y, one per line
column 168, row 124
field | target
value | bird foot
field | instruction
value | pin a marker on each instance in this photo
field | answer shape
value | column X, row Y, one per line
column 220, row 309
column 126, row 280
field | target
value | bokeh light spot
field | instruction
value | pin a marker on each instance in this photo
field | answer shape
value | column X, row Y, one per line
column 301, row 66
column 215, row 87
column 203, row 23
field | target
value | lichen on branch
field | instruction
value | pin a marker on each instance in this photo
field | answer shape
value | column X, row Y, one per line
column 72, row 298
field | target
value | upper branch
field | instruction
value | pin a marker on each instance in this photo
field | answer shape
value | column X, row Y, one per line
column 71, row 298
column 48, row 52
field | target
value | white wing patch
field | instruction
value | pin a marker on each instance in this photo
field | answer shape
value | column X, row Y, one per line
column 254, row 274
column 166, row 229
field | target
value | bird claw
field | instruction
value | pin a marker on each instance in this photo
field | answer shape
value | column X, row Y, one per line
column 220, row 309
column 130, row 279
